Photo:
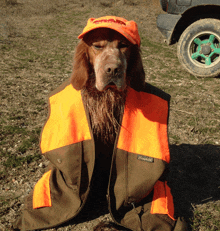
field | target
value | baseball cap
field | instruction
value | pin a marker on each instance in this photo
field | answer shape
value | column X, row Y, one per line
column 127, row 28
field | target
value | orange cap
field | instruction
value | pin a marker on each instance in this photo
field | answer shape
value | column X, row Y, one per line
column 128, row 29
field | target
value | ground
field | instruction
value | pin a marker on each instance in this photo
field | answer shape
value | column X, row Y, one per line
column 37, row 42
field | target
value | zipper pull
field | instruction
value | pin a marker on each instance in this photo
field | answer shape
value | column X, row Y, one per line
column 139, row 214
column 132, row 203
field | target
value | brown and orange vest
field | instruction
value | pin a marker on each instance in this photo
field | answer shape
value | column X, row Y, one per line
column 139, row 159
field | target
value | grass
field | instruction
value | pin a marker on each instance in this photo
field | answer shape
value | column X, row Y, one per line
column 12, row 130
column 13, row 158
column 15, row 161
column 157, row 48
column 205, row 219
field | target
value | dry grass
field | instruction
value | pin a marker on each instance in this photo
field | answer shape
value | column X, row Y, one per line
column 37, row 41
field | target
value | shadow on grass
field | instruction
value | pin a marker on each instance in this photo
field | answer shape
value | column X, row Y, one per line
column 194, row 179
column 194, row 176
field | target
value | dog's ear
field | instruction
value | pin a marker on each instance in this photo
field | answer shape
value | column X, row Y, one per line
column 80, row 72
column 135, row 70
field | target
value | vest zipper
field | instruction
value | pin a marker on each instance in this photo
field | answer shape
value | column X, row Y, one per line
column 139, row 214
column 110, row 174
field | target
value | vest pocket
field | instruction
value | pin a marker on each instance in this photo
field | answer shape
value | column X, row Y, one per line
column 139, row 217
column 41, row 194
column 142, row 173
column 162, row 200
column 68, row 160
column 132, row 220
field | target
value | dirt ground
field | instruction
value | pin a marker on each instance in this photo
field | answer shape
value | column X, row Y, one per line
column 37, row 42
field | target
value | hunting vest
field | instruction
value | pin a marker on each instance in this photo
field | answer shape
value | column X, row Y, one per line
column 138, row 196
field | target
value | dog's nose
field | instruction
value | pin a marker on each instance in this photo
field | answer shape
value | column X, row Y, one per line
column 112, row 69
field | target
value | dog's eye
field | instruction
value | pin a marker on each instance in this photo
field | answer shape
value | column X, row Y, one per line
column 97, row 47
column 122, row 45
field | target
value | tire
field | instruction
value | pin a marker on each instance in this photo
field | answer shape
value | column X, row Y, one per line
column 198, row 49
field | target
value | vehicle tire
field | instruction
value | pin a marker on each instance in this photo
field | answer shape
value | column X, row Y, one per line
column 198, row 48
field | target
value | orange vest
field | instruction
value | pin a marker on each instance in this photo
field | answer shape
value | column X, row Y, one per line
column 140, row 154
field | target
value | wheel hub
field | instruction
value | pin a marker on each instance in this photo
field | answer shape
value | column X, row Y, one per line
column 206, row 50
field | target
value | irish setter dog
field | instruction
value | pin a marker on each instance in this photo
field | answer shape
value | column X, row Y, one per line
column 105, row 64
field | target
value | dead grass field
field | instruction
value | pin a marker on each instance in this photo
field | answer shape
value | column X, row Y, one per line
column 37, row 42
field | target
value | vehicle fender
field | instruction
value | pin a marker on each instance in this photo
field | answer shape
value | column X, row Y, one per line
column 166, row 23
column 183, row 2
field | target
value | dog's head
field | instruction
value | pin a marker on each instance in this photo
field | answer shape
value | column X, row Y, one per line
column 109, row 55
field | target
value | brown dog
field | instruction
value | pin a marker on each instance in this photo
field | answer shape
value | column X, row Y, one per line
column 105, row 63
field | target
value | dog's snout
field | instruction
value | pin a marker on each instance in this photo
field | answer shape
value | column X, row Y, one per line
column 112, row 69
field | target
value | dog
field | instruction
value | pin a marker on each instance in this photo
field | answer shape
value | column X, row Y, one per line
column 105, row 64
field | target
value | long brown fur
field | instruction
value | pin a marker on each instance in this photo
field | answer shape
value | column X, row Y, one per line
column 104, row 109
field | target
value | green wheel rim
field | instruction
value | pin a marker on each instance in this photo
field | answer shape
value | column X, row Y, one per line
column 204, row 49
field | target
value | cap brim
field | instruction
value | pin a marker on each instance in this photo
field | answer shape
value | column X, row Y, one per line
column 110, row 26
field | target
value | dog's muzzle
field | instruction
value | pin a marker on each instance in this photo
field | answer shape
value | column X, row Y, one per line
column 110, row 70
